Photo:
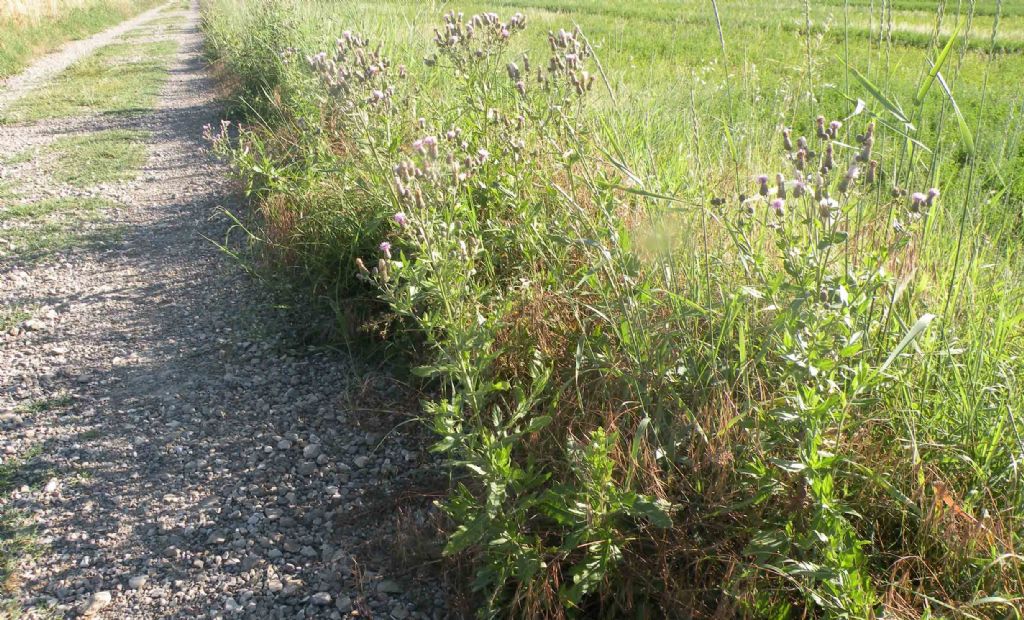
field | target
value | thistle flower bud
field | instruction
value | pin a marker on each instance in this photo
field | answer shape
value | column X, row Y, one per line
column 513, row 71
column 799, row 189
column 787, row 143
column 801, row 159
column 526, row 63
column 933, row 193
column 779, row 207
column 362, row 267
column 763, row 182
column 780, row 182
column 521, row 87
column 828, row 161
column 382, row 270
column 851, row 175
column 385, row 249
column 801, row 143
column 872, row 169
column 833, row 129
column 822, row 133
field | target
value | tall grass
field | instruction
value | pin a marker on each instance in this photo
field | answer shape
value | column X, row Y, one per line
column 30, row 29
column 748, row 350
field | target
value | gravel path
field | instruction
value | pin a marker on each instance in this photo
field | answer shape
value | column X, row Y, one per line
column 52, row 64
column 182, row 454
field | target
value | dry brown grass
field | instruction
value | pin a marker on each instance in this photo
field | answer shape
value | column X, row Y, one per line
column 34, row 11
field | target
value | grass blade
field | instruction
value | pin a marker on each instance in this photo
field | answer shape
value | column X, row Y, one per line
column 939, row 61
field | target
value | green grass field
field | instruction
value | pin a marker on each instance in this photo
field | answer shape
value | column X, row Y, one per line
column 687, row 367
column 24, row 38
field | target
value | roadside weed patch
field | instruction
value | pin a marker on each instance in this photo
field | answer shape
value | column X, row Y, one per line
column 119, row 78
column 733, row 341
column 101, row 157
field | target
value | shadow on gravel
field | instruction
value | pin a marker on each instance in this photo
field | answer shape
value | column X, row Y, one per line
column 203, row 448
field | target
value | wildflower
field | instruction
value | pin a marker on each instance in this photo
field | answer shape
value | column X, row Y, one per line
column 872, row 167
column 780, row 181
column 400, row 219
column 513, row 71
column 933, row 193
column 779, row 206
column 787, row 143
column 717, row 202
column 385, row 249
column 827, row 207
column 917, row 199
column 763, row 182
column 799, row 189
column 833, row 128
column 362, row 267
column 828, row 162
column 801, row 143
column 521, row 87
column 483, row 154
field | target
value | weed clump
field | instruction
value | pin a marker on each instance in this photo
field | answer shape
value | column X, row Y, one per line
column 642, row 424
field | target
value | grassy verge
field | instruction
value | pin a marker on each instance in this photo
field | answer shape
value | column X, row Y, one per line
column 724, row 325
column 119, row 78
column 23, row 38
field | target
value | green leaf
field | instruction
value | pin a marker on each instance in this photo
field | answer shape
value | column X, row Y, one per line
column 939, row 61
column 538, row 423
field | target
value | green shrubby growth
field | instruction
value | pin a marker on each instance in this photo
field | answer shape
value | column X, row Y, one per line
column 783, row 400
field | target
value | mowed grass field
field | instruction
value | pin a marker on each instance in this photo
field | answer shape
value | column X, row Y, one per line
column 687, row 366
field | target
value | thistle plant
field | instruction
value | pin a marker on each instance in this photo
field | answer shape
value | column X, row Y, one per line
column 636, row 429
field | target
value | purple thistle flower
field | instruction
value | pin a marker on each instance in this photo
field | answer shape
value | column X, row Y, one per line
column 799, row 189
column 933, row 193
column 400, row 219
column 385, row 249
column 779, row 206
column 762, row 180
column 916, row 200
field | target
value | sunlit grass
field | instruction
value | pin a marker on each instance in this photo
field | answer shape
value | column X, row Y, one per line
column 119, row 78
